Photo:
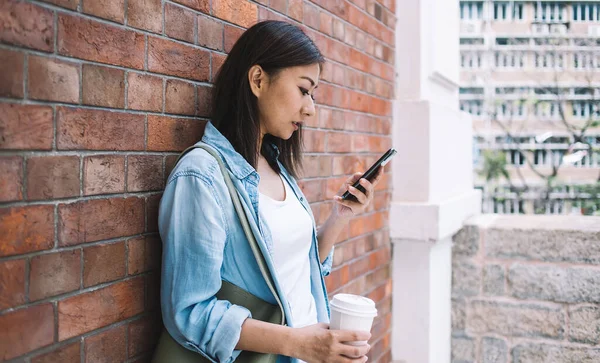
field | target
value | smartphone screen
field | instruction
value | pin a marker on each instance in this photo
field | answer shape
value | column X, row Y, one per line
column 369, row 174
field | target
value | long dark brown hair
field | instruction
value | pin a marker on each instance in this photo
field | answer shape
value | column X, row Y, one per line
column 273, row 45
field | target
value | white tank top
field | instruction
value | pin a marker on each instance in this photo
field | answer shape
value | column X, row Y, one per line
column 291, row 228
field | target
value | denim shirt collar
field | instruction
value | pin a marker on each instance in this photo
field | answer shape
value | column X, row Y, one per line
column 238, row 166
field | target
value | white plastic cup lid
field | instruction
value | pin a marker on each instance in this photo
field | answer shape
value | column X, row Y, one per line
column 354, row 305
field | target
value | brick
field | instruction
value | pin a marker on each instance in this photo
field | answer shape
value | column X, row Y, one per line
column 16, row 337
column 145, row 14
column 463, row 350
column 493, row 280
column 517, row 320
column 108, row 9
column 458, row 315
column 12, row 283
column 466, row 241
column 54, row 273
column 103, row 86
column 545, row 245
column 325, row 23
column 144, row 254
column 231, row 34
column 179, row 23
column 144, row 173
column 278, row 5
column 534, row 353
column 26, row 127
column 337, row 142
column 552, row 283
column 152, row 204
column 67, row 354
column 494, row 350
column 296, row 9
column 173, row 134
column 311, row 15
column 91, row 40
column 204, row 99
column 180, row 97
column 316, row 166
column 103, row 174
column 168, row 57
column 143, row 335
column 69, row 4
column 11, row 83
column 103, row 263
column 11, row 179
column 239, row 12
column 26, row 229
column 89, row 311
column 144, row 92
column 584, row 324
column 200, row 5
column 79, row 128
column 338, row 29
column 346, row 165
column 217, row 63
column 51, row 177
column 314, row 140
column 210, row 33
column 108, row 346
column 26, row 25
column 95, row 220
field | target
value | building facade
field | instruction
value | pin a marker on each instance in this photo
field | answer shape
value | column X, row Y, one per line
column 530, row 77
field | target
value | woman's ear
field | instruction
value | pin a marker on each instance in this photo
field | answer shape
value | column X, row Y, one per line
column 257, row 79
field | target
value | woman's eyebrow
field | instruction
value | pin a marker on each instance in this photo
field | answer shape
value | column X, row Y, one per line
column 312, row 83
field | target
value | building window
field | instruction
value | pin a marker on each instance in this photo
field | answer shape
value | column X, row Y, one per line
column 471, row 91
column 471, row 10
column 510, row 110
column 470, row 60
column 550, row 12
column 547, row 110
column 474, row 107
column 508, row 11
column 586, row 60
column 584, row 110
column 509, row 60
column 586, row 12
column 549, row 60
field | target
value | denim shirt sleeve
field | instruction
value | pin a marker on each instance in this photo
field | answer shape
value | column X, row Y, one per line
column 326, row 265
column 194, row 233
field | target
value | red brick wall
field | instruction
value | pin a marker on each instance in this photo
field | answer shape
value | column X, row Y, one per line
column 96, row 99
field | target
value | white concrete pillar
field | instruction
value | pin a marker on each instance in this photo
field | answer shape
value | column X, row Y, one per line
column 433, row 180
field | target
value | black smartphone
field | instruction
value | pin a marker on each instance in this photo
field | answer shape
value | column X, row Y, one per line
column 369, row 174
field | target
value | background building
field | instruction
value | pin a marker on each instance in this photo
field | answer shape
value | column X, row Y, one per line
column 530, row 77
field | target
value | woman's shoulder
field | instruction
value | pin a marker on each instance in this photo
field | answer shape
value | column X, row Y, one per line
column 196, row 163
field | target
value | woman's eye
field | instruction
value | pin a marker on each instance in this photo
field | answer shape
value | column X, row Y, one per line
column 305, row 92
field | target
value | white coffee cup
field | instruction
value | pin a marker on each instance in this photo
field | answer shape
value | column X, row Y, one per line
column 352, row 312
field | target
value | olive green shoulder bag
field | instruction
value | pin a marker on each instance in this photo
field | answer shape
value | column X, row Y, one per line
column 169, row 351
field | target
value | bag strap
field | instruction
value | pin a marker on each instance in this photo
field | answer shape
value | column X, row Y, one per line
column 258, row 256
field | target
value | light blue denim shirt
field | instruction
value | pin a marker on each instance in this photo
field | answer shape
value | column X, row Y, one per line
column 203, row 243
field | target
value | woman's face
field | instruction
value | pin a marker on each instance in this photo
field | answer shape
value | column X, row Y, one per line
column 286, row 100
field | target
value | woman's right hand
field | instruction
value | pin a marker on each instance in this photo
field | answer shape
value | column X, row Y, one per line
column 317, row 344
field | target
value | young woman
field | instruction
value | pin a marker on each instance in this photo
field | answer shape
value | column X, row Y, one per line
column 263, row 94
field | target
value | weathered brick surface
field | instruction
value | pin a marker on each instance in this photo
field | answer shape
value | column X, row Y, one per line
column 539, row 299
column 570, row 285
column 54, row 273
column 485, row 317
column 16, row 336
column 100, row 96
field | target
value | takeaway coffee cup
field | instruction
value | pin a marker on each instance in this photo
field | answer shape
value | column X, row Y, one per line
column 352, row 312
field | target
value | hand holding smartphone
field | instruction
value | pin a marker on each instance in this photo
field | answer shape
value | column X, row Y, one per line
column 370, row 174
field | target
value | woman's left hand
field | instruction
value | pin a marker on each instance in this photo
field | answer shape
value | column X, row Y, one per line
column 349, row 208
